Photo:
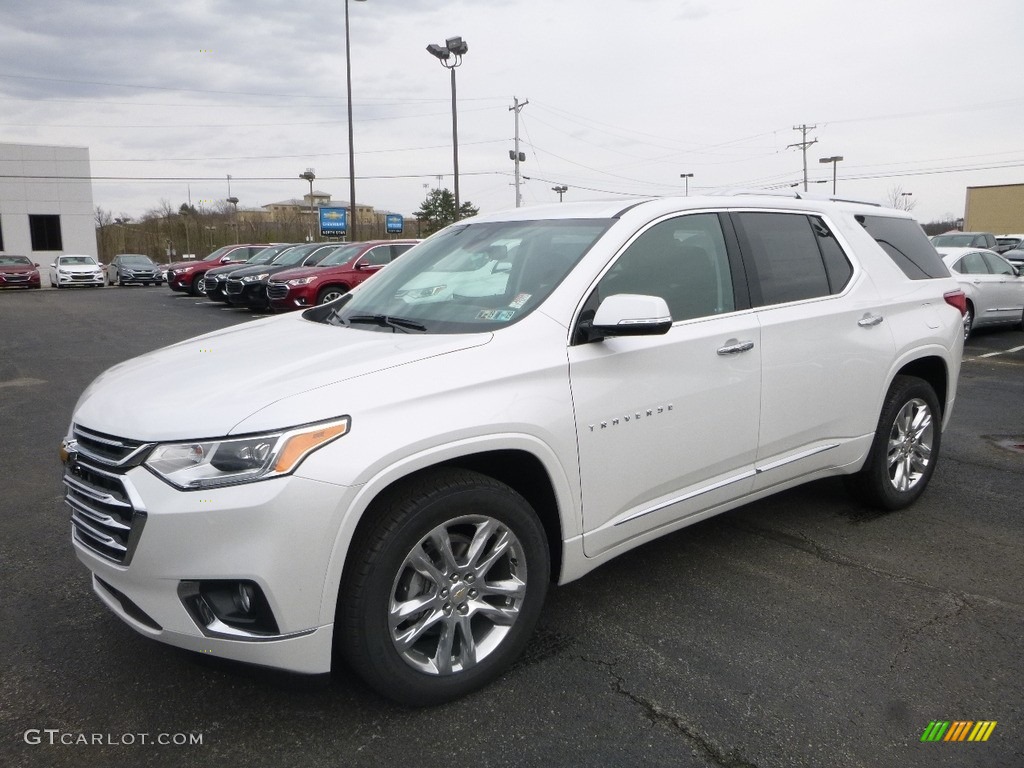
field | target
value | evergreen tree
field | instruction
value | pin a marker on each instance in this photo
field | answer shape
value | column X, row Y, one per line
column 438, row 211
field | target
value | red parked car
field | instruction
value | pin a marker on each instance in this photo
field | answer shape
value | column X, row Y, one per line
column 335, row 276
column 18, row 271
column 187, row 276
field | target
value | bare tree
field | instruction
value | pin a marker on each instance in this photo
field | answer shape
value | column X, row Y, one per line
column 900, row 200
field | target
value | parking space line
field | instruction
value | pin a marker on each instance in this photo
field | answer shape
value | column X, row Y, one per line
column 1002, row 352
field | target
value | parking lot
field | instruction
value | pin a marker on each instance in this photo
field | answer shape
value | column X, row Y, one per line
column 801, row 630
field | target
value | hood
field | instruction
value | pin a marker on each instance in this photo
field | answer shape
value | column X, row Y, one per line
column 19, row 268
column 195, row 263
column 259, row 269
column 293, row 272
column 79, row 267
column 204, row 387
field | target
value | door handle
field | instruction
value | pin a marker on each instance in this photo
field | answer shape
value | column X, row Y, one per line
column 869, row 320
column 734, row 347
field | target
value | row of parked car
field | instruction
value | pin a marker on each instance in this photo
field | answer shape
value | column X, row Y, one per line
column 82, row 270
column 286, row 276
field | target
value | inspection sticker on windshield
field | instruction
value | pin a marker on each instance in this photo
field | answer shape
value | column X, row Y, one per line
column 518, row 301
column 500, row 315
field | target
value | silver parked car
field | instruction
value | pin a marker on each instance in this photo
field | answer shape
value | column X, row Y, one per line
column 134, row 268
column 994, row 287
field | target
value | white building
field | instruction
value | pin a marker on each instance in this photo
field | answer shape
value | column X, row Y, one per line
column 46, row 206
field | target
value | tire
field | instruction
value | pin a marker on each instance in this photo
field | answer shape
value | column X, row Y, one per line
column 969, row 321
column 196, row 288
column 905, row 448
column 330, row 293
column 414, row 553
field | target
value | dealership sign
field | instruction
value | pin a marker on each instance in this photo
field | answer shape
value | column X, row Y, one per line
column 333, row 222
column 394, row 223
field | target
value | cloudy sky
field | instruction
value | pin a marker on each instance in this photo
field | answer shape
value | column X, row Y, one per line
column 919, row 96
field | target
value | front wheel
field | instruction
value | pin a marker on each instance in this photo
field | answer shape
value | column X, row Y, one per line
column 905, row 447
column 196, row 288
column 444, row 588
column 330, row 293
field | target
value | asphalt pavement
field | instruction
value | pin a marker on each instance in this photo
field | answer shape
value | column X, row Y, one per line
column 801, row 630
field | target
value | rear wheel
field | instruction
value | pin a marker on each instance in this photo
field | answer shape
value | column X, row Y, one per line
column 330, row 293
column 905, row 447
column 444, row 587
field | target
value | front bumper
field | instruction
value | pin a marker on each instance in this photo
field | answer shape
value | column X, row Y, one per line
column 251, row 295
column 277, row 534
column 291, row 298
column 80, row 279
column 20, row 281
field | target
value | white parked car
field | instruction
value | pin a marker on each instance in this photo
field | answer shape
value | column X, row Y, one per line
column 75, row 269
column 993, row 286
column 399, row 481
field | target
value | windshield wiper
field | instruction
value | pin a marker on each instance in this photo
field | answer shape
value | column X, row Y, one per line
column 387, row 321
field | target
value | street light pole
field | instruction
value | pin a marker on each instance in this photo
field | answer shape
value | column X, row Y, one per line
column 352, row 227
column 450, row 55
column 308, row 175
column 561, row 189
column 686, row 182
column 834, row 160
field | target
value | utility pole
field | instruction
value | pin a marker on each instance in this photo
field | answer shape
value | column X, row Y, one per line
column 804, row 144
column 517, row 156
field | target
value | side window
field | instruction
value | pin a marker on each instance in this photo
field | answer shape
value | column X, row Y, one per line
column 784, row 260
column 972, row 264
column 377, row 256
column 398, row 250
column 683, row 260
column 996, row 265
column 907, row 245
column 837, row 266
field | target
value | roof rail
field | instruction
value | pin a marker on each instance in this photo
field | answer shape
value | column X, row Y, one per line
column 793, row 193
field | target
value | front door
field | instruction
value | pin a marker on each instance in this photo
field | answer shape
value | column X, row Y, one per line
column 667, row 425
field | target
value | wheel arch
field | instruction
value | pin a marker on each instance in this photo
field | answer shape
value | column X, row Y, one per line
column 531, row 475
column 933, row 370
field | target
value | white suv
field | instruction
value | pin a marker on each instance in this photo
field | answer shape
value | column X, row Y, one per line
column 406, row 470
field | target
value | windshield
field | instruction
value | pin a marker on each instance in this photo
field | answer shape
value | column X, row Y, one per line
column 341, row 255
column 66, row 260
column 267, row 255
column 15, row 261
column 296, row 254
column 136, row 258
column 467, row 278
column 953, row 241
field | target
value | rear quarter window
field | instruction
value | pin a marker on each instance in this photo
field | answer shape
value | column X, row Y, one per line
column 907, row 245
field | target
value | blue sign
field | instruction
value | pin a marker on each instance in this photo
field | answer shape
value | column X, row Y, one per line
column 333, row 222
column 394, row 223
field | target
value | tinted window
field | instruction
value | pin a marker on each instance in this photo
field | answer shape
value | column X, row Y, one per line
column 837, row 266
column 684, row 261
column 996, row 265
column 782, row 256
column 907, row 246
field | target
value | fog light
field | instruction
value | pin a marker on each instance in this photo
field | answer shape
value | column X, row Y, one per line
column 237, row 609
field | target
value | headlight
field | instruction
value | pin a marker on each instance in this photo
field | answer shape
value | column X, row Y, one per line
column 255, row 278
column 302, row 280
column 184, row 270
column 193, row 466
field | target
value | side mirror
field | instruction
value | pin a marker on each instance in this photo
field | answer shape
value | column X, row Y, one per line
column 54, row 265
column 626, row 314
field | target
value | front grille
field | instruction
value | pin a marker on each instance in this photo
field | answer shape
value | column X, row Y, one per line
column 210, row 284
column 233, row 287
column 103, row 517
column 277, row 291
column 109, row 450
column 16, row 278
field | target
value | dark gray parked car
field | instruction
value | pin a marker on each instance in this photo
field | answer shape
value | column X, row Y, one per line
column 134, row 268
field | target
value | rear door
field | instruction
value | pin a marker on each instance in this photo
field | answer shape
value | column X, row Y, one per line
column 825, row 346
column 1007, row 289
